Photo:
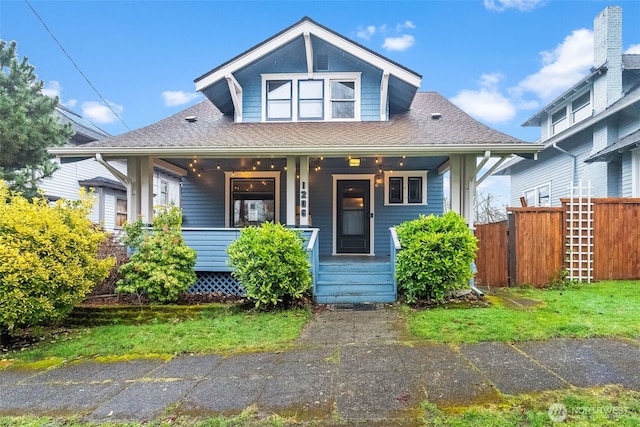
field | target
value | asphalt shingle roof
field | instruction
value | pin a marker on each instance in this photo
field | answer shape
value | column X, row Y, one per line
column 212, row 129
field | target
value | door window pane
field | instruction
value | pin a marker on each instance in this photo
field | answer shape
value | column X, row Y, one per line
column 353, row 216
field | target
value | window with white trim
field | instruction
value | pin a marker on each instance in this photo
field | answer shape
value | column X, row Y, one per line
column 538, row 196
column 252, row 198
column 163, row 197
column 326, row 96
column 573, row 112
column 405, row 188
column 121, row 212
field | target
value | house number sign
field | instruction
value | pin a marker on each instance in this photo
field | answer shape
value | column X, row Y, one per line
column 303, row 199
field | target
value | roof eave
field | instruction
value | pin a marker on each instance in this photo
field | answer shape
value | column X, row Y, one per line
column 328, row 151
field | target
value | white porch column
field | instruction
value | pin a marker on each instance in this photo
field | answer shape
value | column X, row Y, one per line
column 304, row 191
column 146, row 189
column 291, row 191
column 463, row 185
column 140, row 193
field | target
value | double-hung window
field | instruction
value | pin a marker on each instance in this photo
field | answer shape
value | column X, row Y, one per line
column 538, row 196
column 405, row 188
column 580, row 107
column 559, row 121
column 343, row 99
column 279, row 96
column 311, row 99
column 121, row 212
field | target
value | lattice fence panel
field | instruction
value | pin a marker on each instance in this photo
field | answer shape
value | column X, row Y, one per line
column 216, row 282
column 580, row 232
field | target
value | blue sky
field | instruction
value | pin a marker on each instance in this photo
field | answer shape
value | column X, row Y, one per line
column 499, row 60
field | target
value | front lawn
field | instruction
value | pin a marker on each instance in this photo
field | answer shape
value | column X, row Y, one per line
column 218, row 328
column 610, row 308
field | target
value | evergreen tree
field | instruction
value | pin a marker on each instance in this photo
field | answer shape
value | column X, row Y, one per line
column 27, row 124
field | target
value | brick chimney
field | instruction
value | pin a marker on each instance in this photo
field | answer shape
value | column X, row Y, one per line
column 607, row 57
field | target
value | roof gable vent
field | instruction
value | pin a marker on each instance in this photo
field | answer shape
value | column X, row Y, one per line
column 436, row 116
column 322, row 62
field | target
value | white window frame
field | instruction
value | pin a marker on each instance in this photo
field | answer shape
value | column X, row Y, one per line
column 118, row 212
column 253, row 175
column 562, row 124
column 163, row 192
column 327, row 78
column 571, row 116
column 635, row 172
column 536, row 191
column 405, row 175
column 582, row 112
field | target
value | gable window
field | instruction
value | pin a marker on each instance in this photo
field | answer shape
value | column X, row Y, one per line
column 538, row 196
column 559, row 121
column 252, row 198
column 580, row 107
column 343, row 99
column 311, row 99
column 297, row 97
column 405, row 188
column 279, row 100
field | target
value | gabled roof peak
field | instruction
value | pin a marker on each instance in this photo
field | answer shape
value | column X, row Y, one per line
column 307, row 26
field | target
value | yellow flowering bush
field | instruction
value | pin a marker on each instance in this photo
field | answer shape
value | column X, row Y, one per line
column 48, row 258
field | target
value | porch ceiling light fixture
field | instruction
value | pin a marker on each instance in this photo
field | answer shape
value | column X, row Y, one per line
column 354, row 162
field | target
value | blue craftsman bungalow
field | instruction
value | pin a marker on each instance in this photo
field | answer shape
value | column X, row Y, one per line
column 313, row 130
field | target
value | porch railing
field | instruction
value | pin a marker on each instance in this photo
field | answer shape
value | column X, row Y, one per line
column 211, row 246
column 395, row 247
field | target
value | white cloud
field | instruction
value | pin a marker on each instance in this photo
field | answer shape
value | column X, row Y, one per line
column 521, row 5
column 70, row 103
column 52, row 89
column 100, row 113
column 486, row 103
column 405, row 25
column 562, row 68
column 366, row 33
column 634, row 49
column 178, row 97
column 403, row 42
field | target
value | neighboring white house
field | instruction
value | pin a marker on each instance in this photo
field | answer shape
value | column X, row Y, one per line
column 591, row 132
column 110, row 209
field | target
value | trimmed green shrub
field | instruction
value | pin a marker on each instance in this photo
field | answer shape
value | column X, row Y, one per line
column 162, row 265
column 270, row 262
column 48, row 258
column 436, row 256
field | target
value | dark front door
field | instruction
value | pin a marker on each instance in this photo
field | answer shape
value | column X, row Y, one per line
column 353, row 215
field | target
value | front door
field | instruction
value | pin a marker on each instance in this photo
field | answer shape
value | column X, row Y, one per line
column 353, row 217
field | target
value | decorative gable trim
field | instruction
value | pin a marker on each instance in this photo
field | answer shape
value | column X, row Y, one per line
column 306, row 25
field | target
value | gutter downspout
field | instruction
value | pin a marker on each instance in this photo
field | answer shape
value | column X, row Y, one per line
column 573, row 163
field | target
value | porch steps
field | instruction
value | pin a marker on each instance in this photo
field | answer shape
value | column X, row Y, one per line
column 354, row 281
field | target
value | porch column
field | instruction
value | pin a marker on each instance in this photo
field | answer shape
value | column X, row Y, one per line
column 291, row 191
column 140, row 193
column 463, row 185
column 304, row 191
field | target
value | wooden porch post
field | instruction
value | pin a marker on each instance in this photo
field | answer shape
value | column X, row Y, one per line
column 304, row 191
column 291, row 191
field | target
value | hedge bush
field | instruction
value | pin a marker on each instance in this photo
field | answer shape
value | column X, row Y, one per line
column 435, row 258
column 162, row 266
column 271, row 264
column 48, row 258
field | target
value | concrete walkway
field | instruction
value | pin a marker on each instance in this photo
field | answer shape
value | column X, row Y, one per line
column 350, row 366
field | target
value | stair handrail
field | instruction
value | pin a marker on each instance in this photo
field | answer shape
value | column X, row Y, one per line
column 395, row 247
column 314, row 254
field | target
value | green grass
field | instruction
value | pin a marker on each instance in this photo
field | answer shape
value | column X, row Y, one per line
column 609, row 308
column 211, row 331
column 605, row 406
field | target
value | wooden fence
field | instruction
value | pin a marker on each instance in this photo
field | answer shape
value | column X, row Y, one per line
column 533, row 247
